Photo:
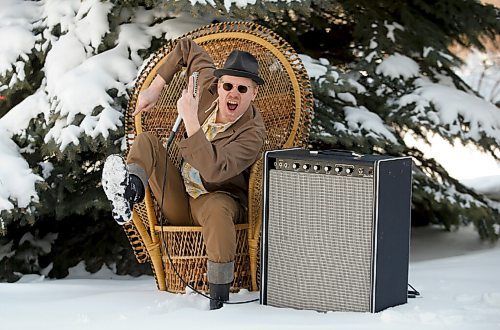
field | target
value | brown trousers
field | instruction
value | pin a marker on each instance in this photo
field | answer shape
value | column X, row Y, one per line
column 215, row 212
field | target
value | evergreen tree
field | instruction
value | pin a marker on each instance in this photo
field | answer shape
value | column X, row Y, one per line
column 380, row 63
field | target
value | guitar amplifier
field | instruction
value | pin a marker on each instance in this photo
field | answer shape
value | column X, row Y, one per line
column 335, row 231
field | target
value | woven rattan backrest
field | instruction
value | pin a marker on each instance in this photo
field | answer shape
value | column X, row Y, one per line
column 285, row 100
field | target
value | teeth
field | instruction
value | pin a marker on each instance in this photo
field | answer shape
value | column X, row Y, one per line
column 232, row 102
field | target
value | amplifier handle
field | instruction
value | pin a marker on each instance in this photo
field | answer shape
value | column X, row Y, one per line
column 336, row 151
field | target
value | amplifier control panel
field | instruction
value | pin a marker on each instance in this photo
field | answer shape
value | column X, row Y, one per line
column 323, row 167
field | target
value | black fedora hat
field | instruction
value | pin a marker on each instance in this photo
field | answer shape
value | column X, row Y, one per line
column 241, row 64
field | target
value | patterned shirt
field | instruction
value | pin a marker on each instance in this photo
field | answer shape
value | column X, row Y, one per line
column 192, row 179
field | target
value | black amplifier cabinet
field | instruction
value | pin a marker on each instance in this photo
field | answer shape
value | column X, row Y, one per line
column 336, row 230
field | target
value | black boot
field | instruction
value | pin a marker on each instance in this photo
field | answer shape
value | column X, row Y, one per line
column 122, row 188
column 134, row 192
column 220, row 292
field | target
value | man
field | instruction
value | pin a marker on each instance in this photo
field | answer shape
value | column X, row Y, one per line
column 224, row 135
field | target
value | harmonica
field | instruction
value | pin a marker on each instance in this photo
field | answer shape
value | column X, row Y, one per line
column 195, row 76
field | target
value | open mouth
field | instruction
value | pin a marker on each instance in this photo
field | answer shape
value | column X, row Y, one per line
column 231, row 105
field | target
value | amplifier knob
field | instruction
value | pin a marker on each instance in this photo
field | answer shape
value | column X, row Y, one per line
column 306, row 166
column 328, row 168
column 348, row 170
column 338, row 169
column 295, row 166
column 317, row 167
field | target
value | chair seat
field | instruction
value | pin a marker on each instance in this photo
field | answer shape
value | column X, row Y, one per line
column 187, row 254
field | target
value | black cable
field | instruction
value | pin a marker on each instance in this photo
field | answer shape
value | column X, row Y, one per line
column 413, row 293
column 167, row 146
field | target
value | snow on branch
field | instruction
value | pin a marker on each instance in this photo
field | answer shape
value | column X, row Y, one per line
column 456, row 112
column 360, row 120
column 398, row 66
column 18, row 24
column 84, row 88
column 17, row 181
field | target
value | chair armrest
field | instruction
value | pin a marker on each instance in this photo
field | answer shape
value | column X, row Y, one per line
column 255, row 200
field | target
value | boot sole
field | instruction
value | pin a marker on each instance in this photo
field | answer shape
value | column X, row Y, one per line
column 115, row 179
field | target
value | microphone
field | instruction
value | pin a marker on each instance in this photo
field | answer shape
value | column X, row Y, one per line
column 178, row 120
column 177, row 123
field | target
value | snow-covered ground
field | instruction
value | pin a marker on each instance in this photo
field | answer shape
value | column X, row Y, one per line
column 456, row 274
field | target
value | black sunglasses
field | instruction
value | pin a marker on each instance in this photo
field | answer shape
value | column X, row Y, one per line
column 229, row 87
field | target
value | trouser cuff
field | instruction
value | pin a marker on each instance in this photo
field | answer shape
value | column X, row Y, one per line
column 220, row 272
column 139, row 172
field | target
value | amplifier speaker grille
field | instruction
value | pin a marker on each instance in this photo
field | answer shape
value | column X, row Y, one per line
column 319, row 233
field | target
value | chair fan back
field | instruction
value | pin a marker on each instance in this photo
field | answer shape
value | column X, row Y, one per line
column 284, row 101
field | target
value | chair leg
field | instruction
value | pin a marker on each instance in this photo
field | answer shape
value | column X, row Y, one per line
column 153, row 251
column 252, row 253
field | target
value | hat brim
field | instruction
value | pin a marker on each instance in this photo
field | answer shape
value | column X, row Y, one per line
column 229, row 72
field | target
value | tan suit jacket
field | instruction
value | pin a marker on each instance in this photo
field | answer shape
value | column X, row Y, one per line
column 223, row 163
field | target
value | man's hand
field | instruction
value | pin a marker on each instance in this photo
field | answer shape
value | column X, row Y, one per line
column 187, row 106
column 148, row 97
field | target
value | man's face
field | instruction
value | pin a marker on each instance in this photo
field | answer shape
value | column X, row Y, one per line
column 235, row 95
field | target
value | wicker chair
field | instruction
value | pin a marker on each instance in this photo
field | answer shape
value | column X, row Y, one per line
column 285, row 102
